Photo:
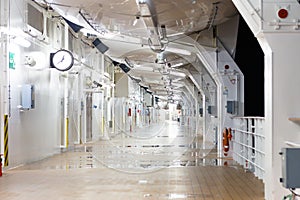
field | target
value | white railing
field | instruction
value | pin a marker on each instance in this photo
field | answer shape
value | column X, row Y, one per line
column 249, row 144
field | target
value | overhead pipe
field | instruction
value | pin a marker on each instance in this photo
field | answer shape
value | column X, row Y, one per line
column 157, row 40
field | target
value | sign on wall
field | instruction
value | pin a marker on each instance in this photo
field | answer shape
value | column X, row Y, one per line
column 11, row 60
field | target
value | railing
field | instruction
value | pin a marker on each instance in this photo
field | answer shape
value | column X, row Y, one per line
column 249, row 144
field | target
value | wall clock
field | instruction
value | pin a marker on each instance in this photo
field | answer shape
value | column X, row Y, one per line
column 62, row 60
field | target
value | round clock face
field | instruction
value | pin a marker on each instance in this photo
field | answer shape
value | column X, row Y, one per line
column 63, row 60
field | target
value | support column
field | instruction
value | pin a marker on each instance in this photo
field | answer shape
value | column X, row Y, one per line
column 282, row 74
column 4, row 80
column 66, row 95
column 204, row 120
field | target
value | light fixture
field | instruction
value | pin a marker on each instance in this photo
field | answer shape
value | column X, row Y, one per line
column 149, row 91
column 97, row 84
column 177, row 65
column 36, row 60
column 29, row 60
column 21, row 41
column 135, row 21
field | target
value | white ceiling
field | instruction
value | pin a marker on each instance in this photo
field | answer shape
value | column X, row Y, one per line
column 147, row 33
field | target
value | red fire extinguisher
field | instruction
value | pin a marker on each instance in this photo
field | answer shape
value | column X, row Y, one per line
column 0, row 165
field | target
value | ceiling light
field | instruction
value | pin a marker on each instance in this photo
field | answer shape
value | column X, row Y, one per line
column 97, row 84
column 177, row 65
column 22, row 42
column 134, row 22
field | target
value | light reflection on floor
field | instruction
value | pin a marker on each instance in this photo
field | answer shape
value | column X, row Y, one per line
column 137, row 154
column 132, row 168
column 172, row 146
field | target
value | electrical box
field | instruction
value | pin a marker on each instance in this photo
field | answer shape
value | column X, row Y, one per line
column 212, row 110
column 232, row 107
column 28, row 97
column 290, row 167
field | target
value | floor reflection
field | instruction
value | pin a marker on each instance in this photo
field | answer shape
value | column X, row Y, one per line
column 175, row 146
column 137, row 154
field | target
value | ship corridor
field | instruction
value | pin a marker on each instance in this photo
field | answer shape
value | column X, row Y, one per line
column 149, row 99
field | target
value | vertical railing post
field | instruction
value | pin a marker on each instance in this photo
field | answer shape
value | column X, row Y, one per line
column 248, row 144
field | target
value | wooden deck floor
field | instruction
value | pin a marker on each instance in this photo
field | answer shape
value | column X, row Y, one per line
column 129, row 169
column 61, row 177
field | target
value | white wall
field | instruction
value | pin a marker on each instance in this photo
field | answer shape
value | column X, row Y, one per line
column 37, row 133
column 282, row 101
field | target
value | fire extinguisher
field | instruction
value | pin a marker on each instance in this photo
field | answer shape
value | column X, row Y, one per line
column 0, row 165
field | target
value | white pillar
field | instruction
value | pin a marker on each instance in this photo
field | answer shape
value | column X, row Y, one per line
column 281, row 102
column 204, row 120
column 66, row 94
column 279, row 38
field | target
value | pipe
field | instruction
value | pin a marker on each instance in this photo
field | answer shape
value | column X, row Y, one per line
column 293, row 144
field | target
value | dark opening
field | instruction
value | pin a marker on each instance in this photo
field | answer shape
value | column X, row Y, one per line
column 250, row 58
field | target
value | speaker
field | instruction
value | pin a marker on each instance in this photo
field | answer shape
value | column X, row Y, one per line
column 100, row 46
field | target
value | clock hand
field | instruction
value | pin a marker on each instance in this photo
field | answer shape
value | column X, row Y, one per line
column 62, row 59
